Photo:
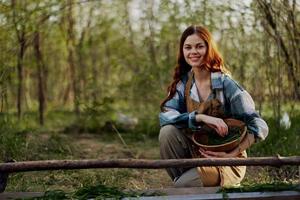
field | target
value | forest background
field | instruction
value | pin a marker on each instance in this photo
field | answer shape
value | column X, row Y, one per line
column 102, row 67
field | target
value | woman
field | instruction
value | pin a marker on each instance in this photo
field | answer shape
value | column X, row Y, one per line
column 200, row 76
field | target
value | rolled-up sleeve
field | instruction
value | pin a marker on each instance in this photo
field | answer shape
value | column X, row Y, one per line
column 175, row 111
column 242, row 107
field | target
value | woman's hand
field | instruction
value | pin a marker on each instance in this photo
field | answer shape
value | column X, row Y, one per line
column 216, row 123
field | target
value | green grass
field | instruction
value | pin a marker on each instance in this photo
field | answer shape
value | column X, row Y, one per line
column 64, row 146
column 68, row 180
column 96, row 192
column 279, row 141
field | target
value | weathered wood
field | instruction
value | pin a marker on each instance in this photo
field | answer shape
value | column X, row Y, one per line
column 171, row 191
column 284, row 195
column 19, row 195
column 181, row 194
column 146, row 164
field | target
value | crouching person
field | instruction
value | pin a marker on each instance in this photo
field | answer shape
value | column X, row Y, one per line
column 201, row 80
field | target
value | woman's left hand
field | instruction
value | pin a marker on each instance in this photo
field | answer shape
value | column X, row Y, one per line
column 214, row 154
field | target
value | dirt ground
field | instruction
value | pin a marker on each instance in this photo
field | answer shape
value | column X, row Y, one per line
column 95, row 147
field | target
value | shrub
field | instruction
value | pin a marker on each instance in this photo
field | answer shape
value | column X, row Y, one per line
column 12, row 140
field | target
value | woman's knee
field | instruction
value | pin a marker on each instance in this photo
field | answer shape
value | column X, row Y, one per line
column 166, row 133
column 210, row 176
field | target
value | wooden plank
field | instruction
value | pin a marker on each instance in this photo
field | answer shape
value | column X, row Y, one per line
column 284, row 195
column 182, row 190
column 17, row 195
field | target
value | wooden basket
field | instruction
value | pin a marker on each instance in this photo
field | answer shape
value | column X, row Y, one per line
column 227, row 146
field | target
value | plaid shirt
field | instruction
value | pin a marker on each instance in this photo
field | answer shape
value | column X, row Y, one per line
column 237, row 103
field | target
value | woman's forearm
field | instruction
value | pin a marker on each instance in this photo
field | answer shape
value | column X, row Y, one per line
column 200, row 117
column 216, row 123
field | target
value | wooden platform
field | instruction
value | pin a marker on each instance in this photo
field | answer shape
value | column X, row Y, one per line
column 210, row 193
column 16, row 195
column 243, row 196
column 197, row 193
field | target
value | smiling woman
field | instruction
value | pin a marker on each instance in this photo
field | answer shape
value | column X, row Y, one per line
column 201, row 99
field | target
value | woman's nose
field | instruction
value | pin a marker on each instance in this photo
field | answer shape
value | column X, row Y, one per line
column 193, row 50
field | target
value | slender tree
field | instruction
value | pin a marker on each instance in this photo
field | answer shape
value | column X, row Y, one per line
column 273, row 27
column 71, row 43
column 21, row 31
column 41, row 76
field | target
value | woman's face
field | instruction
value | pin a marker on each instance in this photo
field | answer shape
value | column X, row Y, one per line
column 194, row 50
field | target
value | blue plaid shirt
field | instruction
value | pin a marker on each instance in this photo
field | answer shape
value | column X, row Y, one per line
column 236, row 101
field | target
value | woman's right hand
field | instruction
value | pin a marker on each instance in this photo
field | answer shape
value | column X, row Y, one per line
column 216, row 123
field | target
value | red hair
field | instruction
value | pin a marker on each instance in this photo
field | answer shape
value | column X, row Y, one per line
column 212, row 61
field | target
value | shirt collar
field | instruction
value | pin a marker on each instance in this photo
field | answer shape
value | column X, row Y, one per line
column 216, row 83
column 216, row 80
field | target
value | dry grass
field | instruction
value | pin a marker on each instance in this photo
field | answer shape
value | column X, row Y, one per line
column 89, row 146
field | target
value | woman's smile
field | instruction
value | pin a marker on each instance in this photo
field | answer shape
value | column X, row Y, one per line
column 194, row 58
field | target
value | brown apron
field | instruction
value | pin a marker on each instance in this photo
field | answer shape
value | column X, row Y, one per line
column 213, row 176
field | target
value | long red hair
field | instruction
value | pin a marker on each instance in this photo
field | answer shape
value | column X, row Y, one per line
column 212, row 61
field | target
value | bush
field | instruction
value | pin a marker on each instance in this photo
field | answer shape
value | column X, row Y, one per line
column 94, row 117
column 284, row 142
column 12, row 140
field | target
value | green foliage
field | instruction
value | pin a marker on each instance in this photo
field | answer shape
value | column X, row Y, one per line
column 101, row 192
column 12, row 139
column 148, row 126
column 99, row 114
column 51, row 146
column 50, row 195
column 284, row 142
column 57, row 120
column 25, row 139
column 94, row 118
column 96, row 192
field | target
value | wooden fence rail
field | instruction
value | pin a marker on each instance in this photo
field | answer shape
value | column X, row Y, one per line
column 13, row 167
column 145, row 164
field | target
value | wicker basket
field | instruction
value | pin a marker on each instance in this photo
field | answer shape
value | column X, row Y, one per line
column 200, row 138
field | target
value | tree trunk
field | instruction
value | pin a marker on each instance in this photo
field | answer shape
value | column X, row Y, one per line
column 83, row 67
column 20, row 76
column 20, row 32
column 290, row 63
column 151, row 45
column 41, row 77
column 71, row 56
column 97, row 90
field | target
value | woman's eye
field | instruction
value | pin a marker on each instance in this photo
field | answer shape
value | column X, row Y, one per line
column 187, row 48
column 200, row 47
